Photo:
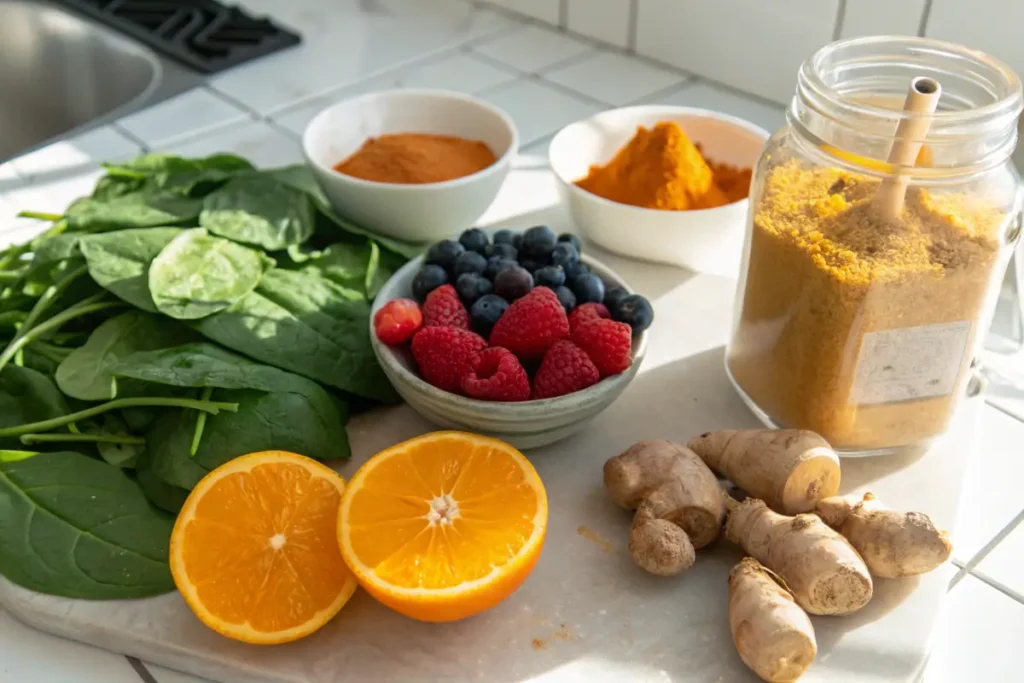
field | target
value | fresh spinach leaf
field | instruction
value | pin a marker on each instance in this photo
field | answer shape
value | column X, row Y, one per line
column 165, row 496
column 80, row 528
column 119, row 261
column 259, row 211
column 86, row 373
column 123, row 455
column 279, row 420
column 27, row 396
column 307, row 325
column 192, row 177
column 301, row 178
column 197, row 274
column 55, row 248
column 349, row 265
column 136, row 210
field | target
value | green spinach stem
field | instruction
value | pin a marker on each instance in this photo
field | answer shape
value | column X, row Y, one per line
column 48, row 297
column 29, row 439
column 85, row 307
column 200, row 424
column 117, row 404
column 13, row 318
column 41, row 216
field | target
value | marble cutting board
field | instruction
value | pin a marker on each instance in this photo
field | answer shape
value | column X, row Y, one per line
column 586, row 613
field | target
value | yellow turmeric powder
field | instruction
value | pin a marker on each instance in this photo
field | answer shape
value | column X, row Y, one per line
column 660, row 168
column 856, row 328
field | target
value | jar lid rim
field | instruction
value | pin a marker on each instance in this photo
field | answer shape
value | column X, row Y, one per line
column 1009, row 104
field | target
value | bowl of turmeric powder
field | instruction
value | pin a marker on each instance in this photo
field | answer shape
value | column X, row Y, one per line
column 412, row 164
column 661, row 183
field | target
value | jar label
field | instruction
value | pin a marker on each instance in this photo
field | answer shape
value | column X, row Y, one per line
column 910, row 363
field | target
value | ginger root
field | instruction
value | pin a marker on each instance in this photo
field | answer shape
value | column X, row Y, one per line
column 820, row 567
column 679, row 505
column 892, row 543
column 789, row 469
column 773, row 635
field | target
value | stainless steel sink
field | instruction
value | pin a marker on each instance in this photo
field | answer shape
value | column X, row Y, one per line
column 61, row 74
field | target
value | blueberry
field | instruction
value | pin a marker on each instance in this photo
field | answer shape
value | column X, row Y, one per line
column 636, row 311
column 472, row 286
column 613, row 297
column 505, row 237
column 587, row 288
column 564, row 254
column 427, row 280
column 549, row 276
column 444, row 253
column 470, row 262
column 486, row 311
column 496, row 264
column 566, row 298
column 574, row 270
column 532, row 265
column 512, row 283
column 474, row 239
column 538, row 241
column 503, row 250
column 572, row 239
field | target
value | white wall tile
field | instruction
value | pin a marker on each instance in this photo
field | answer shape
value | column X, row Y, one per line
column 264, row 146
column 604, row 20
column 461, row 72
column 991, row 497
column 882, row 17
column 752, row 45
column 532, row 48
column 768, row 116
column 537, row 109
column 189, row 113
column 87, row 149
column 978, row 637
column 1004, row 562
column 614, row 78
column 548, row 11
column 989, row 25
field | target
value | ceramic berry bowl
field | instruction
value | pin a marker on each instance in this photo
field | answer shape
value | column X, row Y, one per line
column 533, row 367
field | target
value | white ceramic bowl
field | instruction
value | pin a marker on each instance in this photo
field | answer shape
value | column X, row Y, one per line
column 706, row 240
column 528, row 424
column 416, row 213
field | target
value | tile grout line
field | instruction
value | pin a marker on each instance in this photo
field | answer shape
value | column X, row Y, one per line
column 925, row 16
column 968, row 567
column 124, row 132
column 999, row 586
column 141, row 670
column 632, row 26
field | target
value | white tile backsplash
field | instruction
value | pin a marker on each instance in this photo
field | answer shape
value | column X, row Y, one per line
column 261, row 144
column 187, row 114
column 65, row 156
column 1004, row 562
column 978, row 637
column 533, row 48
column 604, row 20
column 752, row 45
column 878, row 17
column 993, row 26
column 768, row 116
column 538, row 109
column 548, row 11
column 614, row 78
column 461, row 72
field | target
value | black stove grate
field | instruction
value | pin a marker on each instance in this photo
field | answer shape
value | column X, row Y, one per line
column 203, row 34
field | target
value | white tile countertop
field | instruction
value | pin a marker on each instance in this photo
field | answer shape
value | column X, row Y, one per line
column 544, row 79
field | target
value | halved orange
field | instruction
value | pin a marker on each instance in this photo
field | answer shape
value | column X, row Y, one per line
column 443, row 526
column 254, row 551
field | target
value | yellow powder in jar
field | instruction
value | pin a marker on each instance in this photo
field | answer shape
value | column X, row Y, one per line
column 853, row 327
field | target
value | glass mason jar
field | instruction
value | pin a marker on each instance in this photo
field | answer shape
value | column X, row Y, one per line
column 856, row 323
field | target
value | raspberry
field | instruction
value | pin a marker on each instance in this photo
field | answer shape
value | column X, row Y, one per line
column 445, row 354
column 497, row 375
column 397, row 321
column 607, row 343
column 585, row 312
column 443, row 309
column 531, row 324
column 566, row 368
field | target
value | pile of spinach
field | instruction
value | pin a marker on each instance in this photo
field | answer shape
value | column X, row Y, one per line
column 188, row 312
